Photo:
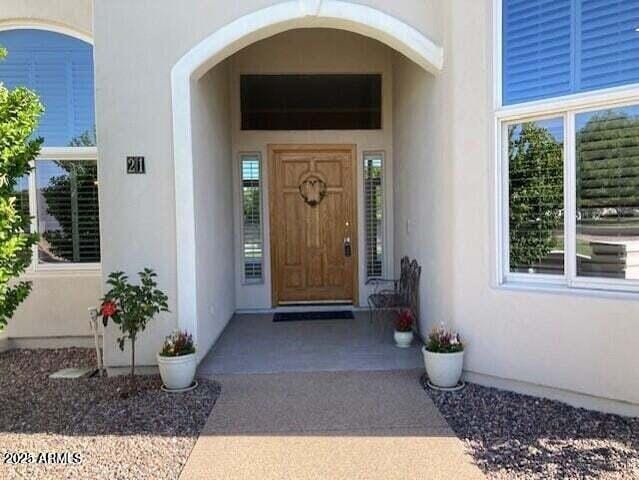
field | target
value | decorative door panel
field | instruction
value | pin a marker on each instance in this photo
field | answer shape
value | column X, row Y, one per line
column 313, row 228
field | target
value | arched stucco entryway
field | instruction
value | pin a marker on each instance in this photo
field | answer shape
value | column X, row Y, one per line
column 226, row 41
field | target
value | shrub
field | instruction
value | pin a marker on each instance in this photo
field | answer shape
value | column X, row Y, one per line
column 20, row 112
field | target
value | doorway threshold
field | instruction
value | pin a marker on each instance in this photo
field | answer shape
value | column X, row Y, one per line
column 314, row 307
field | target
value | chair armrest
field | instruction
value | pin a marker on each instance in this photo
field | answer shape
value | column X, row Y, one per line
column 378, row 283
column 375, row 281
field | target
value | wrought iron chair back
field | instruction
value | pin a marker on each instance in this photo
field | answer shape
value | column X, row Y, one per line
column 405, row 292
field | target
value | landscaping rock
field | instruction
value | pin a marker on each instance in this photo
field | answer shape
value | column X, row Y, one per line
column 513, row 436
column 118, row 433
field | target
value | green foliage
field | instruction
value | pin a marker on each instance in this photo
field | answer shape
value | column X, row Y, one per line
column 135, row 305
column 536, row 193
column 20, row 111
column 608, row 164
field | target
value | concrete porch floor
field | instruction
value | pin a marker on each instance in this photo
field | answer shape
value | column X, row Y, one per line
column 253, row 343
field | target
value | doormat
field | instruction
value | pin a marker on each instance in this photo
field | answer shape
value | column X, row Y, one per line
column 323, row 315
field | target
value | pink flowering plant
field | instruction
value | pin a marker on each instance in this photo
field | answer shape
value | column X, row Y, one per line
column 177, row 344
column 443, row 340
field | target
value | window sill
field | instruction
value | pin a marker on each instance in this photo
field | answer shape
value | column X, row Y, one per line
column 555, row 289
column 64, row 271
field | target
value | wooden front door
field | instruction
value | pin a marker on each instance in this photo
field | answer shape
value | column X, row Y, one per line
column 313, row 223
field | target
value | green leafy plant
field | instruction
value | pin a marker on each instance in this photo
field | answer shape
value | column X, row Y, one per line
column 536, row 190
column 177, row 344
column 443, row 340
column 131, row 307
column 20, row 111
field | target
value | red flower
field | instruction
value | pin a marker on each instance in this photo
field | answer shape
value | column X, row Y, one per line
column 108, row 309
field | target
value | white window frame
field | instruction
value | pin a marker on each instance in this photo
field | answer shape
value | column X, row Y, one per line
column 241, row 156
column 365, row 155
column 566, row 107
column 57, row 153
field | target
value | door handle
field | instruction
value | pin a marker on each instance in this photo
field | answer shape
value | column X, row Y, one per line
column 348, row 250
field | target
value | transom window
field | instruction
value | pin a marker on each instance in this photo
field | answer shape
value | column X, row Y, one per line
column 569, row 165
column 311, row 102
column 61, row 193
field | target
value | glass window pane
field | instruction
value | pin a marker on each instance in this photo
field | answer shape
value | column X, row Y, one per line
column 311, row 102
column 251, row 217
column 608, row 193
column 557, row 47
column 68, row 216
column 536, row 197
column 21, row 190
column 374, row 213
column 59, row 68
column 608, row 43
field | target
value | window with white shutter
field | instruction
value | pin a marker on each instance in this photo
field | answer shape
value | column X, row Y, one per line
column 552, row 48
column 374, row 213
column 61, row 193
column 251, row 193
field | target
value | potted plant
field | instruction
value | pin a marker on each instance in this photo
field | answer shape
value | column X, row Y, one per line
column 404, row 328
column 131, row 307
column 177, row 361
column 443, row 357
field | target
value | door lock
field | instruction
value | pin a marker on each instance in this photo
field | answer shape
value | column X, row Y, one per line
column 348, row 250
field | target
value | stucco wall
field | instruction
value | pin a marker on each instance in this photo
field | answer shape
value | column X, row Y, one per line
column 423, row 178
column 73, row 14
column 213, row 172
column 57, row 306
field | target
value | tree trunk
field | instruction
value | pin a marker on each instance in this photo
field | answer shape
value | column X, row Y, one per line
column 132, row 357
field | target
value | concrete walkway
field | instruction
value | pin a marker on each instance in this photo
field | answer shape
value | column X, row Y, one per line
column 327, row 425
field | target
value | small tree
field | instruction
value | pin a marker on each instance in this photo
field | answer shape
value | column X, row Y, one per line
column 131, row 307
column 20, row 111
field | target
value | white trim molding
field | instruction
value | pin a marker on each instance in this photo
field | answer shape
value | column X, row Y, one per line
column 26, row 24
column 229, row 39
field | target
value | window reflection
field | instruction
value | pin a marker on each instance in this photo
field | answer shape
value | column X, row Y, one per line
column 68, row 219
column 608, row 193
column 536, row 204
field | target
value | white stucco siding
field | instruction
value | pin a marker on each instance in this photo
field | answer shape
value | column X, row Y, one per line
column 213, row 174
column 57, row 305
column 423, row 185
column 73, row 15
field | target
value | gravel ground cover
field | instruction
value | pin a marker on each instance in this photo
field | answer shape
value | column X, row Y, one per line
column 144, row 435
column 513, row 436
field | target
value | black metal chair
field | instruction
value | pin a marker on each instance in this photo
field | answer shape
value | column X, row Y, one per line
column 403, row 295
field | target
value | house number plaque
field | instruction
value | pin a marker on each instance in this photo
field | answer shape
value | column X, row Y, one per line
column 135, row 165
